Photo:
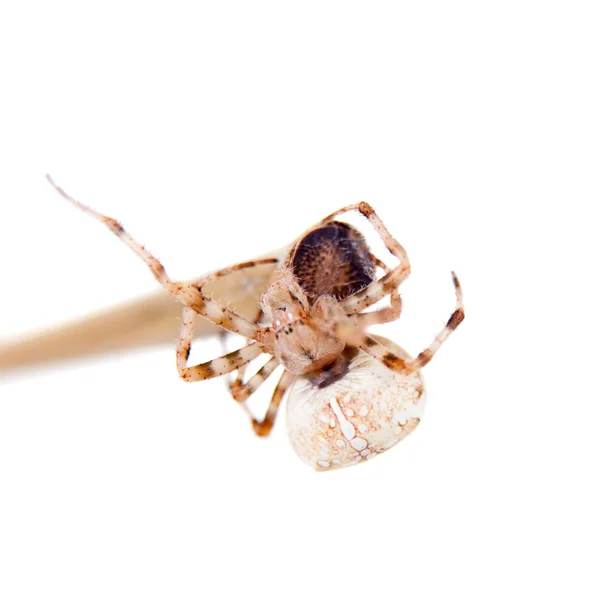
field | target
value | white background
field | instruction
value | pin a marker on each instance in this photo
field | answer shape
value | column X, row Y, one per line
column 218, row 131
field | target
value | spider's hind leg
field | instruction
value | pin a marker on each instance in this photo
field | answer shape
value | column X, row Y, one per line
column 394, row 362
column 263, row 428
column 241, row 390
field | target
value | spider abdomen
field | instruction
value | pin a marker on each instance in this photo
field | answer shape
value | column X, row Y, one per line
column 364, row 413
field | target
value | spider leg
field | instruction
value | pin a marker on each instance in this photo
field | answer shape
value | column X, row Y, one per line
column 239, row 378
column 368, row 211
column 384, row 315
column 351, row 328
column 392, row 279
column 200, row 283
column 212, row 368
column 233, row 385
column 263, row 428
column 242, row 391
column 378, row 262
column 185, row 293
column 394, row 362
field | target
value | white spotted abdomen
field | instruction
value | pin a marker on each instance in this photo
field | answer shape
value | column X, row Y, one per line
column 363, row 414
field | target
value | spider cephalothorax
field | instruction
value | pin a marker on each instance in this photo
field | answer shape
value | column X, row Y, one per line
column 327, row 264
column 312, row 322
column 332, row 259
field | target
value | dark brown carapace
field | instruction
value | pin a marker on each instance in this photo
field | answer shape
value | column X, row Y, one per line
column 333, row 260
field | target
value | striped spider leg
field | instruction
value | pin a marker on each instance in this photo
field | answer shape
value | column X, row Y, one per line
column 397, row 363
column 239, row 389
column 194, row 301
column 222, row 365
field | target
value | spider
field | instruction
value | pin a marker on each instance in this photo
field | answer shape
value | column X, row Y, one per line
column 311, row 321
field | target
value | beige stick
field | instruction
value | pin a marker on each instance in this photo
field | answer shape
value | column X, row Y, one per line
column 149, row 321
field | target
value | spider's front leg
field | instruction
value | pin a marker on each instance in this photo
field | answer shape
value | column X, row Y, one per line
column 212, row 368
column 188, row 294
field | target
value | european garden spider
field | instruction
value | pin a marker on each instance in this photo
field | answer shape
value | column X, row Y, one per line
column 311, row 318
